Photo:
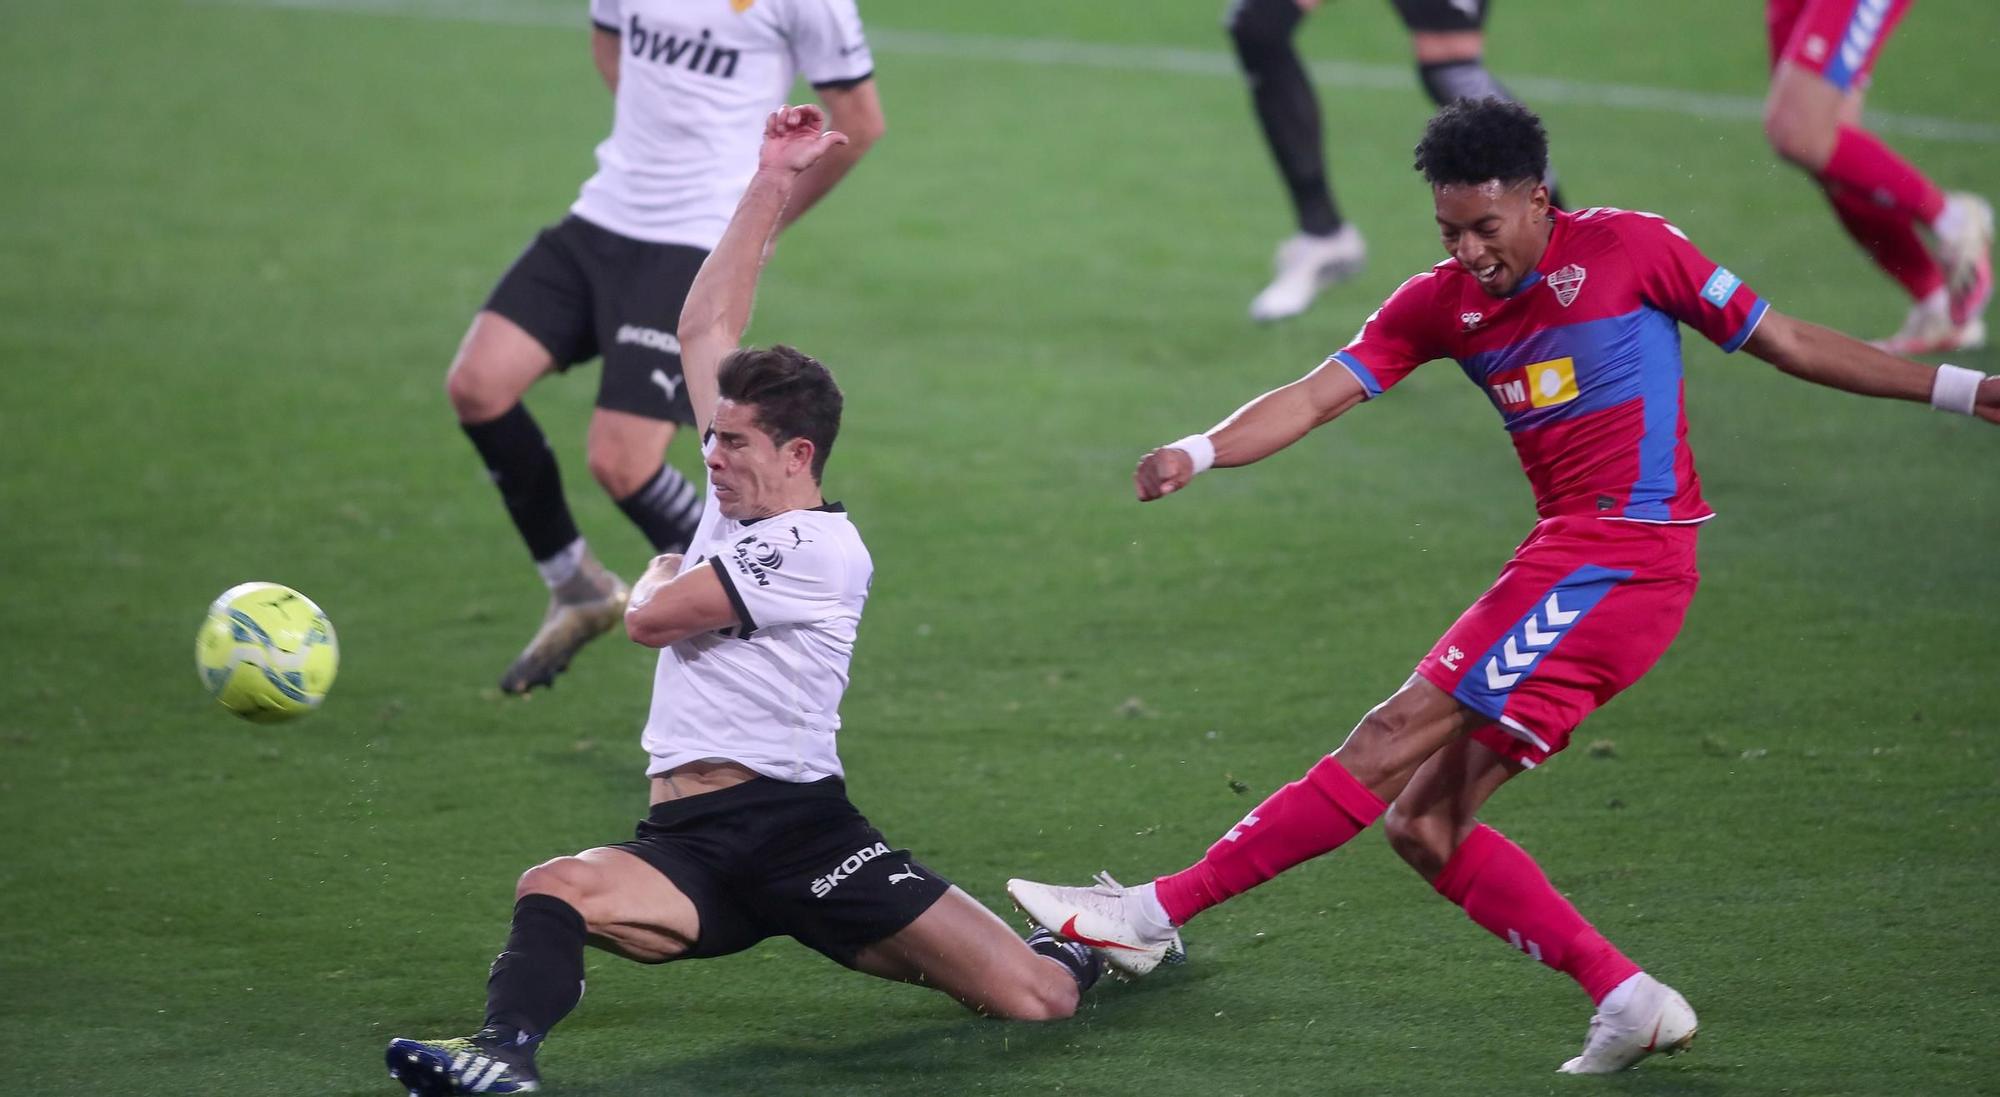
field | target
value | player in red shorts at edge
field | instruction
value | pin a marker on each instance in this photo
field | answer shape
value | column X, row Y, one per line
column 1822, row 52
column 1568, row 323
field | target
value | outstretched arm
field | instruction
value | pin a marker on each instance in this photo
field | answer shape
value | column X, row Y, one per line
column 1827, row 357
column 718, row 303
column 1259, row 429
column 855, row 111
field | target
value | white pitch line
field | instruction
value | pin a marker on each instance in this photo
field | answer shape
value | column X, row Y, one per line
column 1718, row 106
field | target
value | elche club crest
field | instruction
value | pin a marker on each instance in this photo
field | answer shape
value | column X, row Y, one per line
column 1567, row 283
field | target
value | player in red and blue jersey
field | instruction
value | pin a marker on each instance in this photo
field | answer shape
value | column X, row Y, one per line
column 1822, row 54
column 1570, row 324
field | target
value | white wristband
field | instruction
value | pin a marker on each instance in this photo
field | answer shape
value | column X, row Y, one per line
column 1956, row 389
column 1199, row 450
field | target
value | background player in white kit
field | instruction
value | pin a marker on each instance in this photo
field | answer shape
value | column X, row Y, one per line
column 750, row 834
column 692, row 82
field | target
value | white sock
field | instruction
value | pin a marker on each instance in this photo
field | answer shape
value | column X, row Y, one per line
column 1937, row 300
column 559, row 568
column 1950, row 219
column 1621, row 994
column 1142, row 904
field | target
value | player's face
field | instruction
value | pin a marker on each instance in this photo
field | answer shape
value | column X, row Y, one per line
column 1495, row 230
column 752, row 476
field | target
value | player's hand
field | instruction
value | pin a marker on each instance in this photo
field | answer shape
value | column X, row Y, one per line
column 1162, row 472
column 794, row 140
column 1986, row 403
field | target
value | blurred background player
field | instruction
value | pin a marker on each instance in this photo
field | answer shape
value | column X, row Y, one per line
column 1822, row 52
column 750, row 833
column 1449, row 40
column 692, row 81
column 1569, row 325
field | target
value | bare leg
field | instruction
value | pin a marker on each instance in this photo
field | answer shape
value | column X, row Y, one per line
column 966, row 951
column 628, row 907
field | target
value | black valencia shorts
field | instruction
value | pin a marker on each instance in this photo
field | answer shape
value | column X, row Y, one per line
column 586, row 292
column 770, row 858
column 1442, row 15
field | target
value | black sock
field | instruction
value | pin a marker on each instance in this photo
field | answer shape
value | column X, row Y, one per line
column 539, row 978
column 666, row 510
column 1081, row 962
column 1449, row 81
column 524, row 469
column 1286, row 106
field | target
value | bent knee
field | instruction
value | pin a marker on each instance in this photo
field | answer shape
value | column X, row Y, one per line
column 475, row 398
column 1425, row 842
column 571, row 879
column 1037, row 1003
column 1805, row 141
column 1260, row 28
column 621, row 469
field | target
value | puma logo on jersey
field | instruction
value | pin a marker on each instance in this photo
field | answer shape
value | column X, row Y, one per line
column 669, row 385
column 695, row 54
column 906, row 874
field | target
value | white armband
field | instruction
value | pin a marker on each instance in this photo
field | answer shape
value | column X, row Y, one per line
column 1199, row 450
column 1955, row 389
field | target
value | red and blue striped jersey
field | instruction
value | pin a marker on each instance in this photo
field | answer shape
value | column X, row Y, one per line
column 1582, row 360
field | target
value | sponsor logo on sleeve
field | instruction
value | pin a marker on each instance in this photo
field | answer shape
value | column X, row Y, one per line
column 1720, row 288
column 756, row 558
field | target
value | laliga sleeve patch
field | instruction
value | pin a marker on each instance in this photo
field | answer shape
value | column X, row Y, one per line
column 1720, row 288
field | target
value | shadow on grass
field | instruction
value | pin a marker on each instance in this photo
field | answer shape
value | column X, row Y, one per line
column 900, row 1056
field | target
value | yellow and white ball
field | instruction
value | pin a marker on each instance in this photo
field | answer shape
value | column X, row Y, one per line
column 266, row 652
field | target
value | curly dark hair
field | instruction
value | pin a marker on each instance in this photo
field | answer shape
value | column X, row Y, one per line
column 793, row 393
column 1474, row 140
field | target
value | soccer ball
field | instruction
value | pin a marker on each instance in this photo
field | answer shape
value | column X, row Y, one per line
column 266, row 652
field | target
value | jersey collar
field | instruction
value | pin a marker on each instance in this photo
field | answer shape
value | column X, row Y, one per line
column 1549, row 262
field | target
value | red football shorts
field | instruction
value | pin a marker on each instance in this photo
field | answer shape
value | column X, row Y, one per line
column 1585, row 607
column 1837, row 39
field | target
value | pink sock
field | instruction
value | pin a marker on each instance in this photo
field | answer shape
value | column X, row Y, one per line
column 1890, row 238
column 1503, row 889
column 1863, row 164
column 1313, row 815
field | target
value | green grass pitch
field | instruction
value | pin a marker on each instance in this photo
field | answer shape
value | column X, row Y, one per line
column 238, row 243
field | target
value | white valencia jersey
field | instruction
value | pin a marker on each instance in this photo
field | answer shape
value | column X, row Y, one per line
column 696, row 79
column 767, row 693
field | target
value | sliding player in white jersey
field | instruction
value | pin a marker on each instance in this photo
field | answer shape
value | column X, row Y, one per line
column 692, row 82
column 750, row 834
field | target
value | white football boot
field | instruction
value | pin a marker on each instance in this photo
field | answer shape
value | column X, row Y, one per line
column 1103, row 916
column 1930, row 329
column 581, row 608
column 1965, row 241
column 1305, row 265
column 1642, row 1017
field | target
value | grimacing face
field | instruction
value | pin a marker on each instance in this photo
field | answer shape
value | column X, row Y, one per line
column 1496, row 230
column 752, row 476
